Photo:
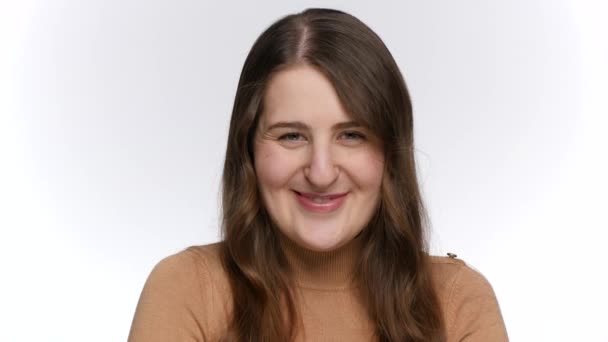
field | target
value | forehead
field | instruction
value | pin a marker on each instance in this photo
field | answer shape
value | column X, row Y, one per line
column 302, row 93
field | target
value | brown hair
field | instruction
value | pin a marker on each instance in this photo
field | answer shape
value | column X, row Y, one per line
column 393, row 273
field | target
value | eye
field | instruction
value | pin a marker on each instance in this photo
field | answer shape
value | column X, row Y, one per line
column 353, row 135
column 291, row 136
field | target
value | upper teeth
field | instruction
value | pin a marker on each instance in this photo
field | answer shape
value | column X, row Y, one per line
column 319, row 199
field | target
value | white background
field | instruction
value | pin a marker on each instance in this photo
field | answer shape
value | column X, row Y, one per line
column 113, row 126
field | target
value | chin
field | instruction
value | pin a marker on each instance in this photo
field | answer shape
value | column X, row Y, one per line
column 321, row 244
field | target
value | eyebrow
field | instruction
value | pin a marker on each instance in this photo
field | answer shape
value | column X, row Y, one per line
column 303, row 126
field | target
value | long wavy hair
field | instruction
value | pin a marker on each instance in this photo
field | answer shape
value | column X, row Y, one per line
column 393, row 273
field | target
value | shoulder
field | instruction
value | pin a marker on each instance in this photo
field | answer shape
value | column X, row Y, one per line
column 446, row 271
column 194, row 269
column 185, row 293
column 194, row 254
column 208, row 258
column 468, row 300
column 188, row 267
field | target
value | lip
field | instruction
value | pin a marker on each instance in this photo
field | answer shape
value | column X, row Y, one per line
column 335, row 201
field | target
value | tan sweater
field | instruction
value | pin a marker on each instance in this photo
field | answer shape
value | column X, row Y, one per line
column 187, row 297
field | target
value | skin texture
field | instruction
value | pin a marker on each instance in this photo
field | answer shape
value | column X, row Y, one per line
column 320, row 158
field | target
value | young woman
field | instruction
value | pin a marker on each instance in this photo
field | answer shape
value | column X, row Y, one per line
column 323, row 223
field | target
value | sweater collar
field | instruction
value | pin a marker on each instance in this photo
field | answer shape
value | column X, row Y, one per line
column 323, row 270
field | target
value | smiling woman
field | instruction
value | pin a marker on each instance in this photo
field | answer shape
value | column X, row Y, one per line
column 328, row 168
column 323, row 224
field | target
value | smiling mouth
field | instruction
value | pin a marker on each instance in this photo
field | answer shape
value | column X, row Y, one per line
column 320, row 203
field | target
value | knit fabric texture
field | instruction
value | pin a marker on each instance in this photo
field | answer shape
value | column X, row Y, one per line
column 187, row 297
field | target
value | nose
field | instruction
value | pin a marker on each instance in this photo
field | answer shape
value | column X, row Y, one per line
column 321, row 170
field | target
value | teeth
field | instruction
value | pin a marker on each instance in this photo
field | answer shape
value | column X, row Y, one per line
column 319, row 199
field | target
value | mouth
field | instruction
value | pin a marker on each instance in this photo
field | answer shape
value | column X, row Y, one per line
column 320, row 203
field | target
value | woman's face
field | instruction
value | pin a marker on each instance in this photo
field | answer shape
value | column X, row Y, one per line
column 319, row 172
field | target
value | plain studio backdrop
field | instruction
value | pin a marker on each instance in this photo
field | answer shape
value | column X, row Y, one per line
column 113, row 126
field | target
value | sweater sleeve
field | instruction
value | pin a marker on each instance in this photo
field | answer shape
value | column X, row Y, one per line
column 473, row 311
column 170, row 304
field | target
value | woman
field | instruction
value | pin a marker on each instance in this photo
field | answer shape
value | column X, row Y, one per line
column 323, row 235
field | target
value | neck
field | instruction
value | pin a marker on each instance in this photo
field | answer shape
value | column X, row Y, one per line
column 323, row 270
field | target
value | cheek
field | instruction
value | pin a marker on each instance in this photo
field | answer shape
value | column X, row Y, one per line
column 366, row 167
column 273, row 169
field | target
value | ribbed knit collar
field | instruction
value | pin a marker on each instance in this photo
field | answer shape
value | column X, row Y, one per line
column 323, row 270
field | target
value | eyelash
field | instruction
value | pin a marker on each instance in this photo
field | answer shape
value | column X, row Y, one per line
column 356, row 134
